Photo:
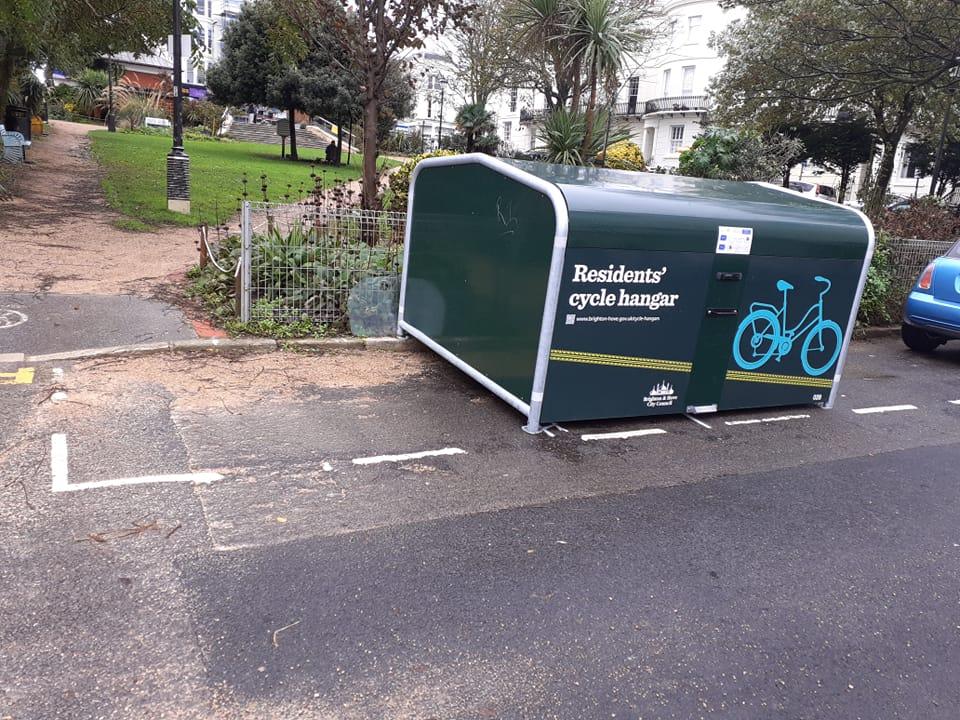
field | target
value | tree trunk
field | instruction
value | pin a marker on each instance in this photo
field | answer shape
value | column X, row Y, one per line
column 878, row 192
column 786, row 176
column 844, row 181
column 6, row 77
column 339, row 141
column 589, row 119
column 291, row 115
column 371, row 110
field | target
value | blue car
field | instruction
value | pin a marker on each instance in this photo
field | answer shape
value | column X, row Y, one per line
column 932, row 313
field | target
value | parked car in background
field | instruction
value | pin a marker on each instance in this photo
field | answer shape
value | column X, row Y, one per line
column 931, row 315
column 819, row 190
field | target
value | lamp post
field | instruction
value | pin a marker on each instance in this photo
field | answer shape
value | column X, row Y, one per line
column 954, row 72
column 178, row 163
column 111, row 120
column 443, row 86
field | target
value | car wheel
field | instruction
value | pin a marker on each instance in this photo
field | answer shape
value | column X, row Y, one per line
column 919, row 340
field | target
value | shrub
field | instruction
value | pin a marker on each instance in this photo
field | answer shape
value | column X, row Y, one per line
column 725, row 154
column 624, row 155
column 925, row 219
column 398, row 188
column 879, row 304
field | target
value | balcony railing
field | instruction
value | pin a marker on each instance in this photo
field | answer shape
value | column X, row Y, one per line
column 684, row 103
column 635, row 108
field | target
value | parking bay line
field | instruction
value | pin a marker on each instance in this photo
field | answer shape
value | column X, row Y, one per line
column 408, row 456
column 59, row 471
column 954, row 402
column 623, row 435
column 883, row 409
column 757, row 421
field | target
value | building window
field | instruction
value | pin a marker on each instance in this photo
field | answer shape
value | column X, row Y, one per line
column 209, row 8
column 633, row 89
column 513, row 99
column 672, row 26
column 507, row 131
column 209, row 39
column 201, row 76
column 676, row 138
column 666, row 82
column 693, row 28
column 429, row 106
column 190, row 74
column 908, row 163
column 687, row 88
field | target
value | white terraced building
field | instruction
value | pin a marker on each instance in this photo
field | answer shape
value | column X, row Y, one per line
column 662, row 98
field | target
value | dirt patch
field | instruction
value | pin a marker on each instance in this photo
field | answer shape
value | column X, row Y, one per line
column 204, row 381
column 59, row 235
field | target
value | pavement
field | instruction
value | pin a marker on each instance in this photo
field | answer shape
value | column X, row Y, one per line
column 278, row 535
column 41, row 323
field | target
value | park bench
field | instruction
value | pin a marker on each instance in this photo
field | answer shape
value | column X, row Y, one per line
column 14, row 146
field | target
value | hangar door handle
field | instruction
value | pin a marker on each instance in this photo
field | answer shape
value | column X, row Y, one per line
column 721, row 312
column 729, row 276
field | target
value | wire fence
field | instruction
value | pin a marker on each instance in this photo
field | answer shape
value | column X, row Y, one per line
column 330, row 265
column 908, row 256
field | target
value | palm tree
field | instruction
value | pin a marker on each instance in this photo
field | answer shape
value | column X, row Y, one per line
column 542, row 24
column 90, row 86
column 474, row 121
column 604, row 34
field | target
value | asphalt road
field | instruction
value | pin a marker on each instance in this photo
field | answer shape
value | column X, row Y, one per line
column 802, row 568
column 35, row 324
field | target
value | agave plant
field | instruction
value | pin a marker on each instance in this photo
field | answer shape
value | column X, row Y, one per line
column 565, row 138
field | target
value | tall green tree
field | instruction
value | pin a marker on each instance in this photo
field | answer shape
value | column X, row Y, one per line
column 839, row 146
column 69, row 34
column 260, row 66
column 370, row 37
column 885, row 58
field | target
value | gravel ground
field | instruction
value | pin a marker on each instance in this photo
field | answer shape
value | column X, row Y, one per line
column 58, row 235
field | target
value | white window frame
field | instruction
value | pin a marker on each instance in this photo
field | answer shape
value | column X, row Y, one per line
column 507, row 130
column 514, row 94
column 686, row 80
column 676, row 138
column 694, row 23
column 666, row 83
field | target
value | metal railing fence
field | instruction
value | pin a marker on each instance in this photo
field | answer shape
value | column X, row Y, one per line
column 328, row 265
column 908, row 257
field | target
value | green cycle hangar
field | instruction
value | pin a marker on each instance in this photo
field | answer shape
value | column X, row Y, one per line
column 583, row 293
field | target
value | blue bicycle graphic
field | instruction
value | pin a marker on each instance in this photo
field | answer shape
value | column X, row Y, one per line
column 764, row 332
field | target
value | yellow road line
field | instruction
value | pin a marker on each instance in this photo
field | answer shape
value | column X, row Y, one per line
column 23, row 376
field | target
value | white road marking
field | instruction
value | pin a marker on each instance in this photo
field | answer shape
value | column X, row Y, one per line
column 756, row 421
column 60, row 477
column 58, row 396
column 954, row 402
column 58, row 461
column 623, row 435
column 407, row 456
column 883, row 409
column 698, row 421
column 198, row 478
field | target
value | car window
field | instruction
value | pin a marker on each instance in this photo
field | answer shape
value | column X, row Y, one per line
column 954, row 252
column 805, row 187
column 827, row 191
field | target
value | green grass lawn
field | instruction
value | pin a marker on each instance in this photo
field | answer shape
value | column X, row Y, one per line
column 135, row 176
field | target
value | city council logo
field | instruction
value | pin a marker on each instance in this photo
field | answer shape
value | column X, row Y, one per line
column 661, row 395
